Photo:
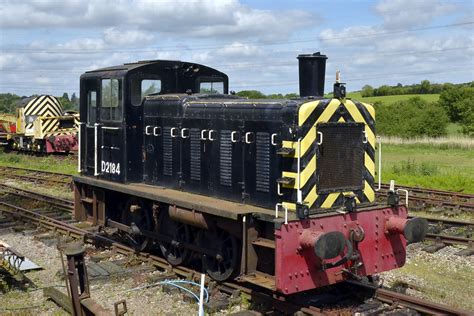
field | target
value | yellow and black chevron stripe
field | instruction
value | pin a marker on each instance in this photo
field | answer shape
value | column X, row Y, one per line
column 310, row 114
column 43, row 105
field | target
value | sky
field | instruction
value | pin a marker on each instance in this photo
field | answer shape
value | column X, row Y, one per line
column 46, row 45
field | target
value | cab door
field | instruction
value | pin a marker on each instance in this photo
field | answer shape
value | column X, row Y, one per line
column 88, row 128
column 110, row 132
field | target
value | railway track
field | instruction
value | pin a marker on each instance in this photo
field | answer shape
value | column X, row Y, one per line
column 419, row 196
column 435, row 198
column 35, row 176
column 388, row 300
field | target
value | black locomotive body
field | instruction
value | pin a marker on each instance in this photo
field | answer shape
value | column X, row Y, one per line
column 171, row 159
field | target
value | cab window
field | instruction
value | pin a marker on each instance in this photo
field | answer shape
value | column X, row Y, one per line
column 143, row 87
column 91, row 106
column 111, row 100
column 211, row 87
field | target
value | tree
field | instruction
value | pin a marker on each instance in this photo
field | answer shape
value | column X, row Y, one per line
column 451, row 100
column 411, row 118
column 65, row 96
column 251, row 94
column 425, row 86
column 367, row 91
column 74, row 100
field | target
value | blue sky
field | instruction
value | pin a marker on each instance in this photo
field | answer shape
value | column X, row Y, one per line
column 46, row 45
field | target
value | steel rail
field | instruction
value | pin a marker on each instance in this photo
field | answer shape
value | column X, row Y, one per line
column 66, row 205
column 418, row 304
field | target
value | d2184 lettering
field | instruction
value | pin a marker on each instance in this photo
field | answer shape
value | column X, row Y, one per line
column 110, row 167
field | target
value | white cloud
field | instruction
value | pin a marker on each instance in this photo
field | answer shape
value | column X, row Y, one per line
column 403, row 14
column 192, row 18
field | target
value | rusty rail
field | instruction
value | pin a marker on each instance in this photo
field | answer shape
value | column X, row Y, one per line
column 418, row 304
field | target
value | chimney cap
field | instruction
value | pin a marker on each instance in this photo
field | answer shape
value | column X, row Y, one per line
column 313, row 55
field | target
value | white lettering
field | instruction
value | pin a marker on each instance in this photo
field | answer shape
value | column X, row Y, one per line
column 110, row 167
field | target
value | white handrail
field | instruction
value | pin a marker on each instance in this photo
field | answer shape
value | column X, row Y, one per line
column 406, row 195
column 79, row 169
column 379, row 142
column 299, row 194
column 96, row 125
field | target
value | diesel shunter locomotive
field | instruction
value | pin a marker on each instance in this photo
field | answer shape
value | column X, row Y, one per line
column 279, row 193
column 43, row 127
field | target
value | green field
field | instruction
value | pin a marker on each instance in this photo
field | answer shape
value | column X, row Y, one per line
column 392, row 98
column 425, row 165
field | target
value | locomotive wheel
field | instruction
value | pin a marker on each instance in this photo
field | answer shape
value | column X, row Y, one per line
column 141, row 218
column 224, row 264
column 173, row 252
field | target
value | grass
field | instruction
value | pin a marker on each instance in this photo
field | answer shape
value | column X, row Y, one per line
column 389, row 99
column 61, row 164
column 439, row 280
column 449, row 142
column 429, row 166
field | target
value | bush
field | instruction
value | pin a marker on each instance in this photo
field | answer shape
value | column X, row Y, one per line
column 411, row 118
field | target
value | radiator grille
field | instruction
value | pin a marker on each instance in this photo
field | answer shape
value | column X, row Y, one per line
column 225, row 159
column 195, row 161
column 167, row 152
column 340, row 159
column 263, row 162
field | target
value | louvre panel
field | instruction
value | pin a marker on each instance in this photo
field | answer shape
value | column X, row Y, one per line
column 340, row 159
column 263, row 162
column 167, row 152
column 195, row 159
column 225, row 159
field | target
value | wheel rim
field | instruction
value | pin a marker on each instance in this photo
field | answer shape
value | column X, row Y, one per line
column 142, row 220
column 173, row 251
column 223, row 265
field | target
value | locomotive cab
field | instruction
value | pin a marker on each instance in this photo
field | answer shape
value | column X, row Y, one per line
column 111, row 122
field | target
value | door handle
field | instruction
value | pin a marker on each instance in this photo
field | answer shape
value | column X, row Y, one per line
column 247, row 137
column 156, row 133
column 174, row 129
column 274, row 143
column 202, row 134
column 320, row 141
column 146, row 130
column 233, row 137
column 183, row 131
column 210, row 135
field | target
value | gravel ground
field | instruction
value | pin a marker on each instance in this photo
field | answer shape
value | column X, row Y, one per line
column 152, row 301
column 441, row 277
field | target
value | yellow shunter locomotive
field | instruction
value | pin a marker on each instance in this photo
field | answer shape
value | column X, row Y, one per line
column 42, row 127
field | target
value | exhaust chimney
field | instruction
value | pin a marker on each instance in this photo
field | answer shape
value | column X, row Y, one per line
column 312, row 68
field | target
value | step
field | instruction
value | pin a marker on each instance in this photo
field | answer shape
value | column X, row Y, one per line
column 264, row 242
column 260, row 279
